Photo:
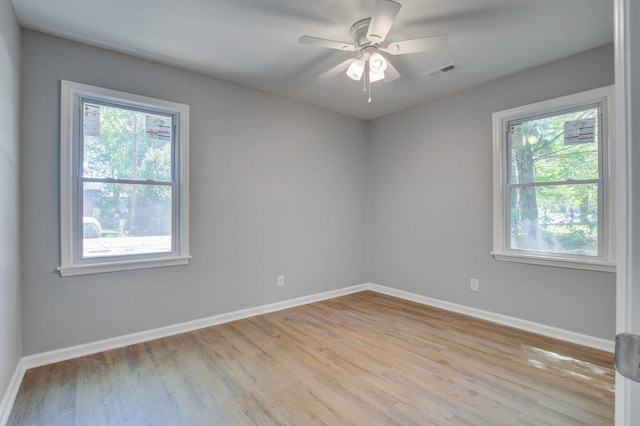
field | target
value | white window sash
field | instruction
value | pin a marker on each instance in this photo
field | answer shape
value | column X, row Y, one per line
column 71, row 263
column 606, row 184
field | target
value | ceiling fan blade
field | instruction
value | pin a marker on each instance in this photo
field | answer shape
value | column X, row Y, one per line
column 391, row 73
column 383, row 16
column 417, row 45
column 336, row 70
column 331, row 44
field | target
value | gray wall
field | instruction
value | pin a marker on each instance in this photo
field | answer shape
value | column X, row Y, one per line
column 277, row 187
column 10, row 327
column 430, row 204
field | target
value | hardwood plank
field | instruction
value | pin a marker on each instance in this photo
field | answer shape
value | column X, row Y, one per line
column 364, row 358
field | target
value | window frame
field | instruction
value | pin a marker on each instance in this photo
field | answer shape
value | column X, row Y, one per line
column 605, row 261
column 71, row 261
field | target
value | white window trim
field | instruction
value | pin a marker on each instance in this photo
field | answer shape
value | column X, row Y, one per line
column 69, row 134
column 606, row 262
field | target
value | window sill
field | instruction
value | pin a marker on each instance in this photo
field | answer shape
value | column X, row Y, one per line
column 589, row 265
column 99, row 268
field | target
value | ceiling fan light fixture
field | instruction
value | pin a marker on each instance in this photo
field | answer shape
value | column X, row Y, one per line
column 377, row 63
column 355, row 70
column 369, row 40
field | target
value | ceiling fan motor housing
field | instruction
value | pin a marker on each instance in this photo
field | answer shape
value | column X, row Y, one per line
column 366, row 52
column 359, row 33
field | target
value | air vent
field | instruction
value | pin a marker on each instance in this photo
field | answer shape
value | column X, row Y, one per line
column 441, row 70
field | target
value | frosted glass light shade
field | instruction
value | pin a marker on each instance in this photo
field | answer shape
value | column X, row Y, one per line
column 377, row 63
column 376, row 76
column 356, row 69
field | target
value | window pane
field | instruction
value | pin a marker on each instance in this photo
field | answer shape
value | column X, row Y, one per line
column 126, row 219
column 556, row 148
column 558, row 219
column 125, row 144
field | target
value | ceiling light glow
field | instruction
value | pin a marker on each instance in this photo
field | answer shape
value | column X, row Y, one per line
column 376, row 76
column 356, row 69
column 377, row 63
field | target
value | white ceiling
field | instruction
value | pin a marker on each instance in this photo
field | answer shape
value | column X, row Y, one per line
column 255, row 42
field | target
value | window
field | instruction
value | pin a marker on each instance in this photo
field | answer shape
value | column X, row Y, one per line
column 553, row 190
column 124, row 189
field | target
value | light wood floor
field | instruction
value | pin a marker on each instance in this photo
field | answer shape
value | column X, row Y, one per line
column 361, row 359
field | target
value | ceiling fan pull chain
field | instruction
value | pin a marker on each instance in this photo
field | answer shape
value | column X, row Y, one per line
column 369, row 81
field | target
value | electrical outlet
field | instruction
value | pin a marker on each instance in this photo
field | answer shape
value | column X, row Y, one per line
column 475, row 285
column 280, row 280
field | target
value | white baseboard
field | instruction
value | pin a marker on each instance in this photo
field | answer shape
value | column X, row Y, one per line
column 12, row 391
column 534, row 327
column 64, row 354
column 58, row 355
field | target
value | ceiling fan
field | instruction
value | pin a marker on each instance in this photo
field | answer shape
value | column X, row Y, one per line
column 368, row 37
